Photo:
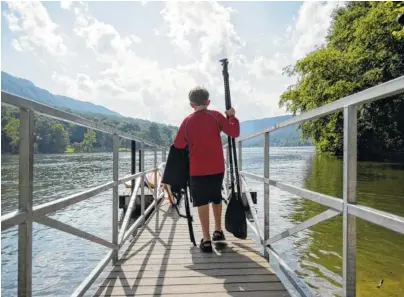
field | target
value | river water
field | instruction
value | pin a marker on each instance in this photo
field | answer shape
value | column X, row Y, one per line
column 61, row 261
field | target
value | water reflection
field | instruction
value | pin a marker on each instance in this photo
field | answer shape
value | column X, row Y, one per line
column 61, row 261
column 379, row 251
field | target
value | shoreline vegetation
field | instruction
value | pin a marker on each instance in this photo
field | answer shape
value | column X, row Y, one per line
column 58, row 137
column 363, row 48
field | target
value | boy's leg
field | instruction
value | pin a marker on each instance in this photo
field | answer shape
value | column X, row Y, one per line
column 200, row 195
column 217, row 214
column 217, row 207
column 203, row 212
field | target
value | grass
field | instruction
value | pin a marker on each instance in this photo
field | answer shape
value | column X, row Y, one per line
column 69, row 150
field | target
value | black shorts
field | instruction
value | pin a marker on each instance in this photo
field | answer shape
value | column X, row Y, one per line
column 206, row 189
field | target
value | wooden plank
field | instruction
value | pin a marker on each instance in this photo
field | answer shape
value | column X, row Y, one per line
column 206, row 279
column 181, row 249
column 191, row 260
column 190, row 273
column 202, row 266
column 126, row 289
column 181, row 255
column 186, row 242
column 265, row 293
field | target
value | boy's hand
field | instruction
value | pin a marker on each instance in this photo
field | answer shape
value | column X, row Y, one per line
column 230, row 112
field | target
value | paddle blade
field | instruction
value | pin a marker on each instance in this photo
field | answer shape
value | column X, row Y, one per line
column 235, row 218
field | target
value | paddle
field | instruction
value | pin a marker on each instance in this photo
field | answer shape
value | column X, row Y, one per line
column 235, row 217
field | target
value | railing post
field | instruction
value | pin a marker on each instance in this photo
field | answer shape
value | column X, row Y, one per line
column 163, row 155
column 133, row 162
column 349, row 197
column 266, row 193
column 155, row 177
column 240, row 156
column 26, row 176
column 142, row 180
column 115, row 166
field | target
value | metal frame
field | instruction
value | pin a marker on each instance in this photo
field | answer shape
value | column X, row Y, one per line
column 25, row 202
column 27, row 214
column 346, row 206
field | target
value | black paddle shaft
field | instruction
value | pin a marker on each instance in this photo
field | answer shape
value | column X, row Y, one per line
column 231, row 141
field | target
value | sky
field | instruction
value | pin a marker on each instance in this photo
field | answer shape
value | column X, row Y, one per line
column 140, row 59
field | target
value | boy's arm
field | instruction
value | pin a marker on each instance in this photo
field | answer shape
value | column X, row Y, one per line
column 230, row 126
column 180, row 141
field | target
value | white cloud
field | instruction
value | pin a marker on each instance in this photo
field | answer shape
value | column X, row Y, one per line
column 264, row 67
column 207, row 26
column 112, row 69
column 311, row 25
column 82, row 86
column 38, row 30
column 66, row 4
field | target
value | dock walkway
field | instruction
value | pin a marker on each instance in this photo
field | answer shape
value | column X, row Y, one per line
column 161, row 261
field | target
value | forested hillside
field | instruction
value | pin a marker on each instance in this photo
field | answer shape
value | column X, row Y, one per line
column 53, row 136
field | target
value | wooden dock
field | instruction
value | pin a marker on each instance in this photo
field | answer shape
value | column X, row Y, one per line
column 162, row 261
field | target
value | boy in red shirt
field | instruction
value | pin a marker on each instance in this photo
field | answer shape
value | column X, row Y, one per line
column 201, row 131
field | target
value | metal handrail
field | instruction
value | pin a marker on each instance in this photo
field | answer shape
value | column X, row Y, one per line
column 346, row 207
column 27, row 213
column 58, row 114
column 382, row 91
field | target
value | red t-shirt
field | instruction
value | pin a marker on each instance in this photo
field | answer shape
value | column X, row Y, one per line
column 202, row 131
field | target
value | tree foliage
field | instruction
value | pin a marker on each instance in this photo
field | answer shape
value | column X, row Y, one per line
column 11, row 130
column 364, row 47
column 52, row 136
column 89, row 140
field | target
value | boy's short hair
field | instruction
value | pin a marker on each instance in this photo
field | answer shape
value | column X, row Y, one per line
column 198, row 96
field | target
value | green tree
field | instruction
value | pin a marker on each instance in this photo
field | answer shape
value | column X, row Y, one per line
column 50, row 136
column 154, row 133
column 60, row 138
column 89, row 140
column 364, row 48
column 12, row 132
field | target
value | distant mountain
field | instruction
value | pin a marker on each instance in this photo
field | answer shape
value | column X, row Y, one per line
column 288, row 136
column 71, row 136
column 27, row 89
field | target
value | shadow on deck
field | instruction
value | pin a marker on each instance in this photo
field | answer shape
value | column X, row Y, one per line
column 161, row 261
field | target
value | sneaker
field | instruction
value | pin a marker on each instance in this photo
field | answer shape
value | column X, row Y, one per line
column 218, row 236
column 206, row 246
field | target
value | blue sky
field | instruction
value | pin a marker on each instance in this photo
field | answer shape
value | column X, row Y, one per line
column 141, row 58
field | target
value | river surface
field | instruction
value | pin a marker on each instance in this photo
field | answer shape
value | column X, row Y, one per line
column 61, row 261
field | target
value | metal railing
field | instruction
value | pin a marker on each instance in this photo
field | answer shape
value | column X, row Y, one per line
column 27, row 213
column 346, row 207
